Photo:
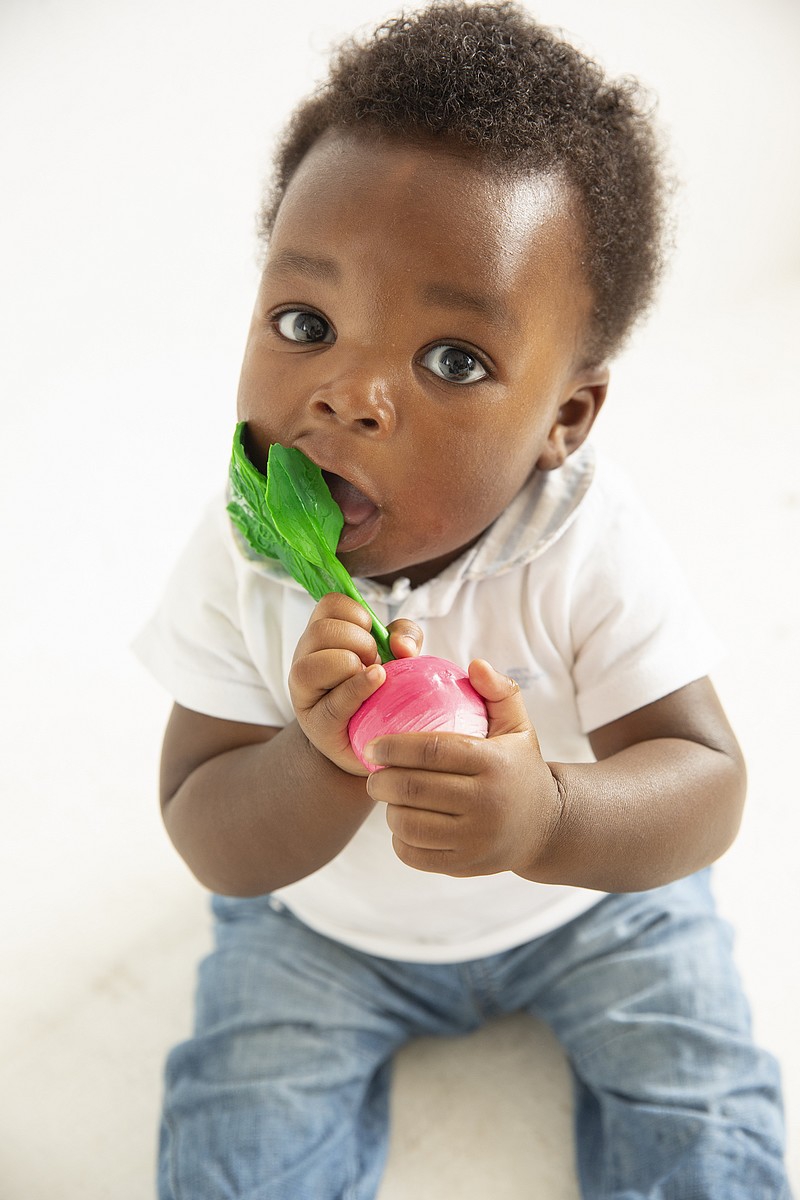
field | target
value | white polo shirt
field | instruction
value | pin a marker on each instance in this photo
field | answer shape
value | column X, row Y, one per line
column 572, row 592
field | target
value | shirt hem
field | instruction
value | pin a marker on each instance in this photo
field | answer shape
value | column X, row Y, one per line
column 496, row 942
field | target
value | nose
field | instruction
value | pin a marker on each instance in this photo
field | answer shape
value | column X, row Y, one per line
column 357, row 399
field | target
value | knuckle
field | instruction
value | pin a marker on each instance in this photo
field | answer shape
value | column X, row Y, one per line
column 409, row 786
column 323, row 670
column 342, row 608
column 333, row 632
column 298, row 674
column 413, row 856
column 431, row 750
column 414, row 829
column 331, row 602
column 325, row 630
column 351, row 664
column 325, row 611
column 403, row 851
column 327, row 708
column 391, row 817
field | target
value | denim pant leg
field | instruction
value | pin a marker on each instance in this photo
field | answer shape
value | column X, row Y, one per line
column 282, row 1092
column 673, row 1099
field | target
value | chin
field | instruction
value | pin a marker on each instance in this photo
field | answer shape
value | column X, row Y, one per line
column 386, row 569
column 365, row 565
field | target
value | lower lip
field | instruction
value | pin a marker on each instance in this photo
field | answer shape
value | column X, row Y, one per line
column 353, row 537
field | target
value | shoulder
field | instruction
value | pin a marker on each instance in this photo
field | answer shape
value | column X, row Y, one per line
column 611, row 498
column 216, row 641
column 613, row 530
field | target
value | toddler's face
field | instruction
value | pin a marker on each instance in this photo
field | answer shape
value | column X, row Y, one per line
column 417, row 334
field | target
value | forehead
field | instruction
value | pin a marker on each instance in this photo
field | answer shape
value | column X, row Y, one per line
column 427, row 207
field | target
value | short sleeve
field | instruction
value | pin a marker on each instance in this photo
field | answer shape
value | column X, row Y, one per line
column 637, row 632
column 194, row 644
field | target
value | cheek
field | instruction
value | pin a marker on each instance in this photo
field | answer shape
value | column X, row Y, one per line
column 481, row 473
column 456, row 502
column 264, row 391
column 251, row 373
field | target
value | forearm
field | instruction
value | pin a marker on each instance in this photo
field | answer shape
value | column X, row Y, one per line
column 654, row 812
column 261, row 816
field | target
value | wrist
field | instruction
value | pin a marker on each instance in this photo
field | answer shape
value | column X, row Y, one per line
column 551, row 801
column 324, row 771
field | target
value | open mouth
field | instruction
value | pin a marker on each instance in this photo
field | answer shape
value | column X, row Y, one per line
column 361, row 516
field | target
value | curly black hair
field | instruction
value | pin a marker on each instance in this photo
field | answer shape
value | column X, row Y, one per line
column 489, row 78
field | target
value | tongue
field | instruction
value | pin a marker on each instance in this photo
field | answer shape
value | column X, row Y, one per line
column 355, row 506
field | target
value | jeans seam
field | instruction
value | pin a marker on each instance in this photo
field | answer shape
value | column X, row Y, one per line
column 477, row 973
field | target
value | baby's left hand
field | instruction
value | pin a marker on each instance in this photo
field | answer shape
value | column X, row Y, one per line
column 463, row 806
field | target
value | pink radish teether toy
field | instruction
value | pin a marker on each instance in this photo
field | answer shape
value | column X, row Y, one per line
column 419, row 695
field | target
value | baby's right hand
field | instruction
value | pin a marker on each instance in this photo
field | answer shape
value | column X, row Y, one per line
column 335, row 668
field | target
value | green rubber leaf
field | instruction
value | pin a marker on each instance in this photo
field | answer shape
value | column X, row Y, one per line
column 289, row 515
column 301, row 506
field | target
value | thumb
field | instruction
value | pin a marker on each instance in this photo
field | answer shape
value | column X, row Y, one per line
column 405, row 638
column 502, row 697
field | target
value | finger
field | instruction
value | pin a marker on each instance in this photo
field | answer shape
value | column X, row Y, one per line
column 405, row 638
column 421, row 829
column 314, row 675
column 423, row 791
column 439, row 752
column 342, row 608
column 502, row 697
column 340, row 705
column 331, row 633
column 337, row 706
column 434, row 862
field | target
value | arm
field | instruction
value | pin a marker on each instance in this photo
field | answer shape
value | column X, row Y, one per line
column 663, row 799
column 252, row 808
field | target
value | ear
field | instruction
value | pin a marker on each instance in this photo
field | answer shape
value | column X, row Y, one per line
column 575, row 417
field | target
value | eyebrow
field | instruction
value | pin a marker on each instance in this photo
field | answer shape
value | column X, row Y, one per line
column 288, row 261
column 441, row 295
column 444, row 295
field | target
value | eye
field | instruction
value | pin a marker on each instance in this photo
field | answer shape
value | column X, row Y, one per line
column 454, row 365
column 297, row 325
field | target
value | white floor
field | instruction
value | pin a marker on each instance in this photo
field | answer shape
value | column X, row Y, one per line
column 139, row 138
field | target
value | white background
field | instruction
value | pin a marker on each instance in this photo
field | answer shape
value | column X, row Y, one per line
column 134, row 142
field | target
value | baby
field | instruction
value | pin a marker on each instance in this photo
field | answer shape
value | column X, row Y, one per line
column 464, row 226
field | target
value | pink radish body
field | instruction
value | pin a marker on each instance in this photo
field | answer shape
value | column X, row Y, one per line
column 419, row 695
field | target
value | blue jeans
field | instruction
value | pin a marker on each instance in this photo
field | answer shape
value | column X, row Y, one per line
column 282, row 1092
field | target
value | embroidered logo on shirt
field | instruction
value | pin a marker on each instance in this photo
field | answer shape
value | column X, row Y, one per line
column 523, row 676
